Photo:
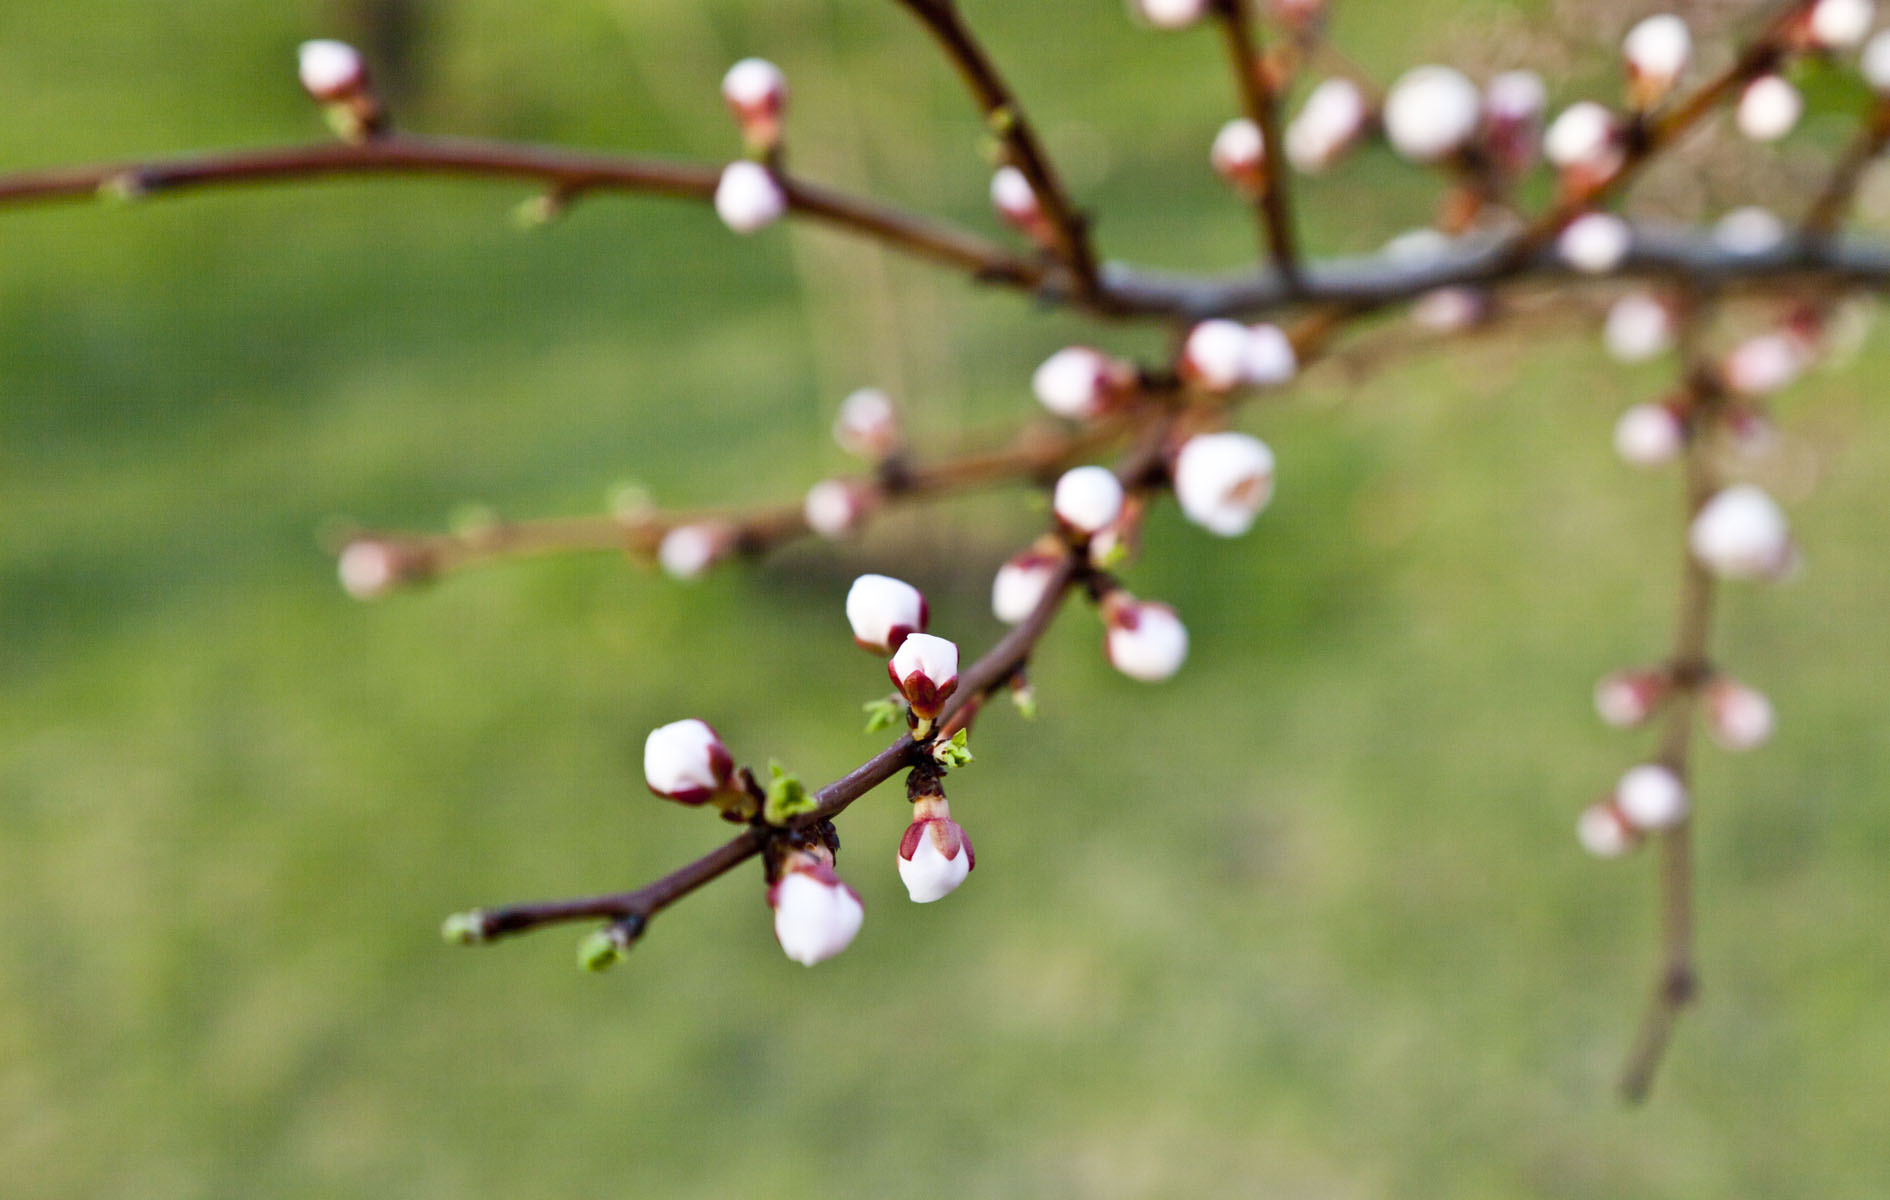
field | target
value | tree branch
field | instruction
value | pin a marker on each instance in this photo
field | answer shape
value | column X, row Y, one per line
column 1261, row 107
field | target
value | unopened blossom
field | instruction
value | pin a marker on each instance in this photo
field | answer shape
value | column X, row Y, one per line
column 1223, row 481
column 1604, row 832
column 1142, row 639
column 884, row 612
column 1020, row 584
column 685, row 761
column 1450, row 309
column 1513, row 103
column 1431, row 112
column 1330, row 121
column 1215, row 354
column 1016, row 201
column 1651, row 797
column 1087, row 499
column 867, row 424
column 925, row 670
column 1768, row 108
column 330, row 71
column 1748, row 230
column 1582, row 136
column 369, row 569
column 1763, row 364
column 687, row 551
column 1639, row 327
column 1839, row 24
column 1595, row 243
column 1739, row 717
column 816, row 915
column 934, row 854
column 1649, row 435
column 1625, row 699
column 1657, row 51
column 1170, row 14
column 1874, row 62
column 756, row 93
column 1268, row 359
column 1239, row 156
column 748, row 198
column 1080, row 383
column 834, row 508
column 1741, row 534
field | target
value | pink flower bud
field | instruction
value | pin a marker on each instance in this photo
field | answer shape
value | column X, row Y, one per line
column 868, row 424
column 1268, row 359
column 748, row 198
column 884, row 612
column 934, row 855
column 1626, row 699
column 1331, row 120
column 1649, row 435
column 1239, row 156
column 1088, row 499
column 688, row 551
column 686, row 762
column 1768, row 108
column 1020, row 584
column 1657, row 51
column 1741, row 534
column 1169, row 14
column 835, row 508
column 1143, row 640
column 816, row 916
column 1651, row 797
column 1639, row 327
column 925, row 670
column 1080, row 383
column 1748, row 230
column 1739, row 717
column 1223, row 481
column 1874, row 63
column 1583, row 137
column 1764, row 364
column 1431, row 112
column 1512, row 118
column 1595, row 243
column 1604, row 832
column 755, row 91
column 1839, row 24
column 331, row 71
column 1215, row 355
column 369, row 569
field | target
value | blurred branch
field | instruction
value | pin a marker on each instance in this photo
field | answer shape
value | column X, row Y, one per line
column 1827, row 212
column 1258, row 102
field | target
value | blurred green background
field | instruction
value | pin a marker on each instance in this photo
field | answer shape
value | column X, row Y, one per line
column 1308, row 921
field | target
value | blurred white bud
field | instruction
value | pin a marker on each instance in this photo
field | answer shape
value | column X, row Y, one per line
column 1748, row 230
column 1874, row 62
column 1215, row 354
column 1639, row 327
column 1015, row 200
column 1840, row 24
column 1768, row 108
column 1088, row 499
column 1604, row 832
column 1649, row 435
column 369, row 569
column 1169, row 14
column 1625, row 699
column 1595, row 243
column 1657, row 51
column 1020, row 583
column 934, row 854
column 834, row 508
column 1738, row 717
column 755, row 92
column 867, row 425
column 685, row 761
column 1239, row 156
column 1331, row 119
column 689, row 550
column 1582, row 136
column 1223, row 481
column 1651, row 797
column 1450, row 309
column 816, row 916
column 1513, row 104
column 1762, row 365
column 330, row 70
column 1741, row 534
column 884, row 612
column 1430, row 112
column 1081, row 383
column 925, row 670
column 747, row 198
column 1268, row 359
column 1143, row 640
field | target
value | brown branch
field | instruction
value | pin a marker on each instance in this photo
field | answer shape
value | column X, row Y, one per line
column 1274, row 210
column 1827, row 212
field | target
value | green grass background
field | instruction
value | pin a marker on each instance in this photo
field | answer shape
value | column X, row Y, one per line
column 1308, row 921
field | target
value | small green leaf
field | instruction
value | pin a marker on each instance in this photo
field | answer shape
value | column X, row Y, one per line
column 464, row 928
column 1002, row 120
column 599, row 951
column 787, row 797
column 955, row 753
column 881, row 714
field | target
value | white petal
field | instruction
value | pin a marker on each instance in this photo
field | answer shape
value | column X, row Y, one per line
column 814, row 921
column 1430, row 112
column 879, row 604
column 1088, row 499
column 747, row 198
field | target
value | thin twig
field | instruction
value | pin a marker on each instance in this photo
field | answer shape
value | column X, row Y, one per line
column 1274, row 209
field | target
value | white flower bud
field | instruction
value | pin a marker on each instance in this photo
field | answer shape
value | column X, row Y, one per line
column 687, row 551
column 1088, row 499
column 1603, row 832
column 1657, row 51
column 1169, row 14
column 755, row 91
column 1239, row 155
column 1582, row 136
column 748, row 198
column 1268, row 359
column 1016, row 201
column 1874, row 62
column 369, row 569
column 1639, row 327
column 1762, row 365
column 1223, row 481
column 816, row 916
column 1739, row 717
column 1513, row 103
column 1430, row 112
column 1649, row 435
column 925, row 670
column 1840, row 24
column 685, row 761
column 1651, row 797
column 1741, row 534
column 884, row 612
column 834, row 508
column 1450, row 309
column 867, row 425
column 934, row 855
column 1332, row 118
column 1080, row 383
column 1020, row 583
column 1215, row 354
column 1625, row 699
column 330, row 70
column 1768, row 108
column 1144, row 641
column 1748, row 230
column 1595, row 243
